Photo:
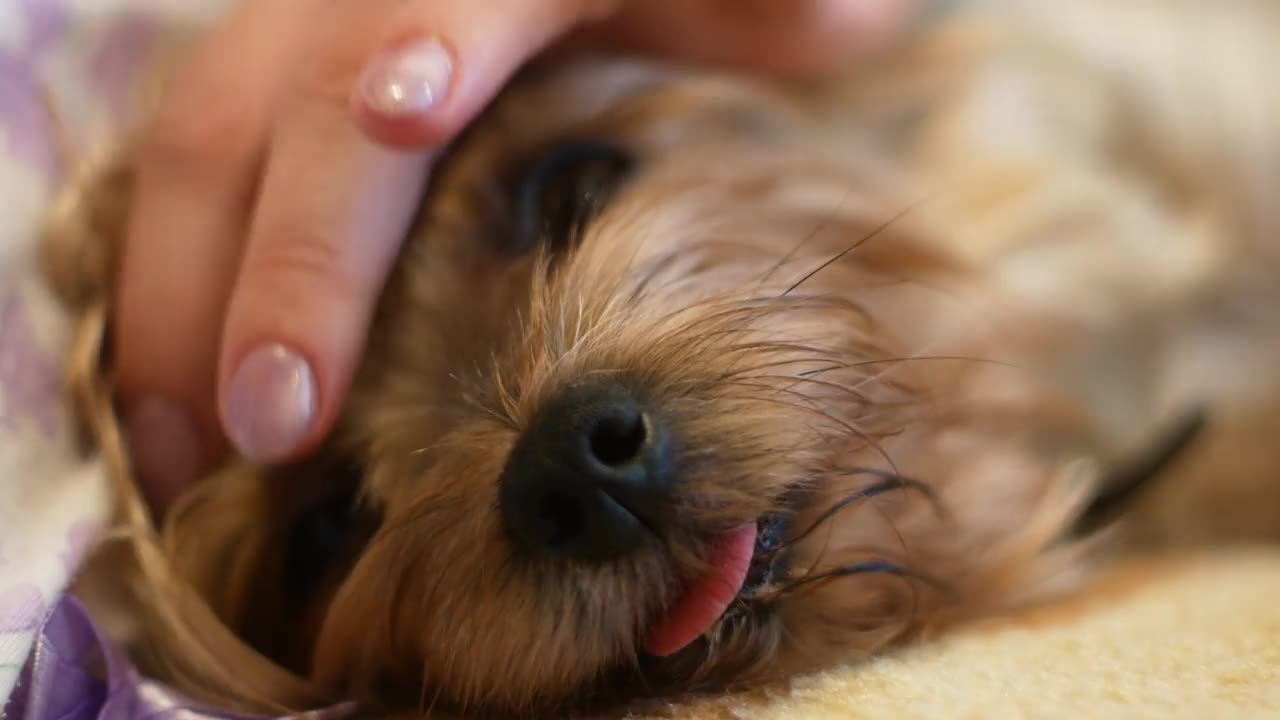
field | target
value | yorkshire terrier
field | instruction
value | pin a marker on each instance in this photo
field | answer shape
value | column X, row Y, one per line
column 687, row 381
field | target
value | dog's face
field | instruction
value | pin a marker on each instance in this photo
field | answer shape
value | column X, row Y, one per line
column 596, row 421
column 633, row 422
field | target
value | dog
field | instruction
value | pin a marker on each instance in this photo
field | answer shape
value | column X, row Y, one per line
column 686, row 381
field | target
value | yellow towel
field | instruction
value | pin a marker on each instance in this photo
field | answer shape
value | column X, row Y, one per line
column 1196, row 637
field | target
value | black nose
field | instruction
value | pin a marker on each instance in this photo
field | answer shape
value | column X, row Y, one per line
column 589, row 478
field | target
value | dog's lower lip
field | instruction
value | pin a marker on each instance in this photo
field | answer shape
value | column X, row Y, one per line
column 709, row 596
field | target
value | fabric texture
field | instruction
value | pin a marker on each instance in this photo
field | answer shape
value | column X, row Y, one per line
column 49, row 508
column 1199, row 640
column 68, row 69
column 1194, row 638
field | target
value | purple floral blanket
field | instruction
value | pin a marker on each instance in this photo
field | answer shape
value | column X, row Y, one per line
column 78, row 60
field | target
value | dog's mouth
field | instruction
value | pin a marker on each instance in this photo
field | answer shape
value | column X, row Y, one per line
column 739, row 560
column 707, row 597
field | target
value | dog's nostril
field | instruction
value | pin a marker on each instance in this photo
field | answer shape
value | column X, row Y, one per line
column 563, row 516
column 619, row 439
column 590, row 478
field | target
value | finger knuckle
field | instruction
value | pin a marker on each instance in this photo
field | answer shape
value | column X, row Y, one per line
column 308, row 263
column 187, row 132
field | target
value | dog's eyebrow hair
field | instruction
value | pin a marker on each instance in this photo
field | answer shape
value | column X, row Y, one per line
column 1124, row 483
column 876, row 232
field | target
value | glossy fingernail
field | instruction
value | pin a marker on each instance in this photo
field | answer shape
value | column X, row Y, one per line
column 164, row 447
column 409, row 80
column 271, row 403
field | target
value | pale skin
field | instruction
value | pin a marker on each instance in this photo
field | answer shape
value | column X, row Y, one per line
column 285, row 164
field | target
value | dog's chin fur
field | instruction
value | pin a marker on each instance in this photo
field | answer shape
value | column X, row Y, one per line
column 912, row 317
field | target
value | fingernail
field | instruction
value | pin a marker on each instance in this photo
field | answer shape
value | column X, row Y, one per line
column 271, row 403
column 164, row 447
column 409, row 80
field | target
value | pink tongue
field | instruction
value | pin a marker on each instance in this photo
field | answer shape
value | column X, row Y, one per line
column 709, row 596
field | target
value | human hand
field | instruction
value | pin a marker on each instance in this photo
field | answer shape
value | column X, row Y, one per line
column 285, row 164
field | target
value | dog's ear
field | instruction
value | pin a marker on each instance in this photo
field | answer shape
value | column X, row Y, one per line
column 211, row 606
column 83, row 234
column 267, row 547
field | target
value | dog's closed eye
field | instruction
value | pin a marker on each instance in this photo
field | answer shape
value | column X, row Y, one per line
column 313, row 542
column 325, row 537
column 319, row 525
column 562, row 189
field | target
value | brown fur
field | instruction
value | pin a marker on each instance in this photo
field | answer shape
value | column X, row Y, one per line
column 986, row 268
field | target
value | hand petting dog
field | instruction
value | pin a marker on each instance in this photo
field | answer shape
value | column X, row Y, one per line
column 282, row 170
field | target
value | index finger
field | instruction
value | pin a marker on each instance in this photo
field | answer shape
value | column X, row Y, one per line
column 335, row 206
column 182, row 249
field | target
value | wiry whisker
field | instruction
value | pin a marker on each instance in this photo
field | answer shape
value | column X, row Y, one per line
column 798, row 351
column 507, row 420
column 892, row 366
column 655, row 271
column 821, row 225
column 867, row 567
column 787, row 361
column 810, row 406
column 785, row 346
column 889, row 482
column 746, row 310
column 714, row 315
column 915, row 358
column 876, row 232
column 840, row 388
